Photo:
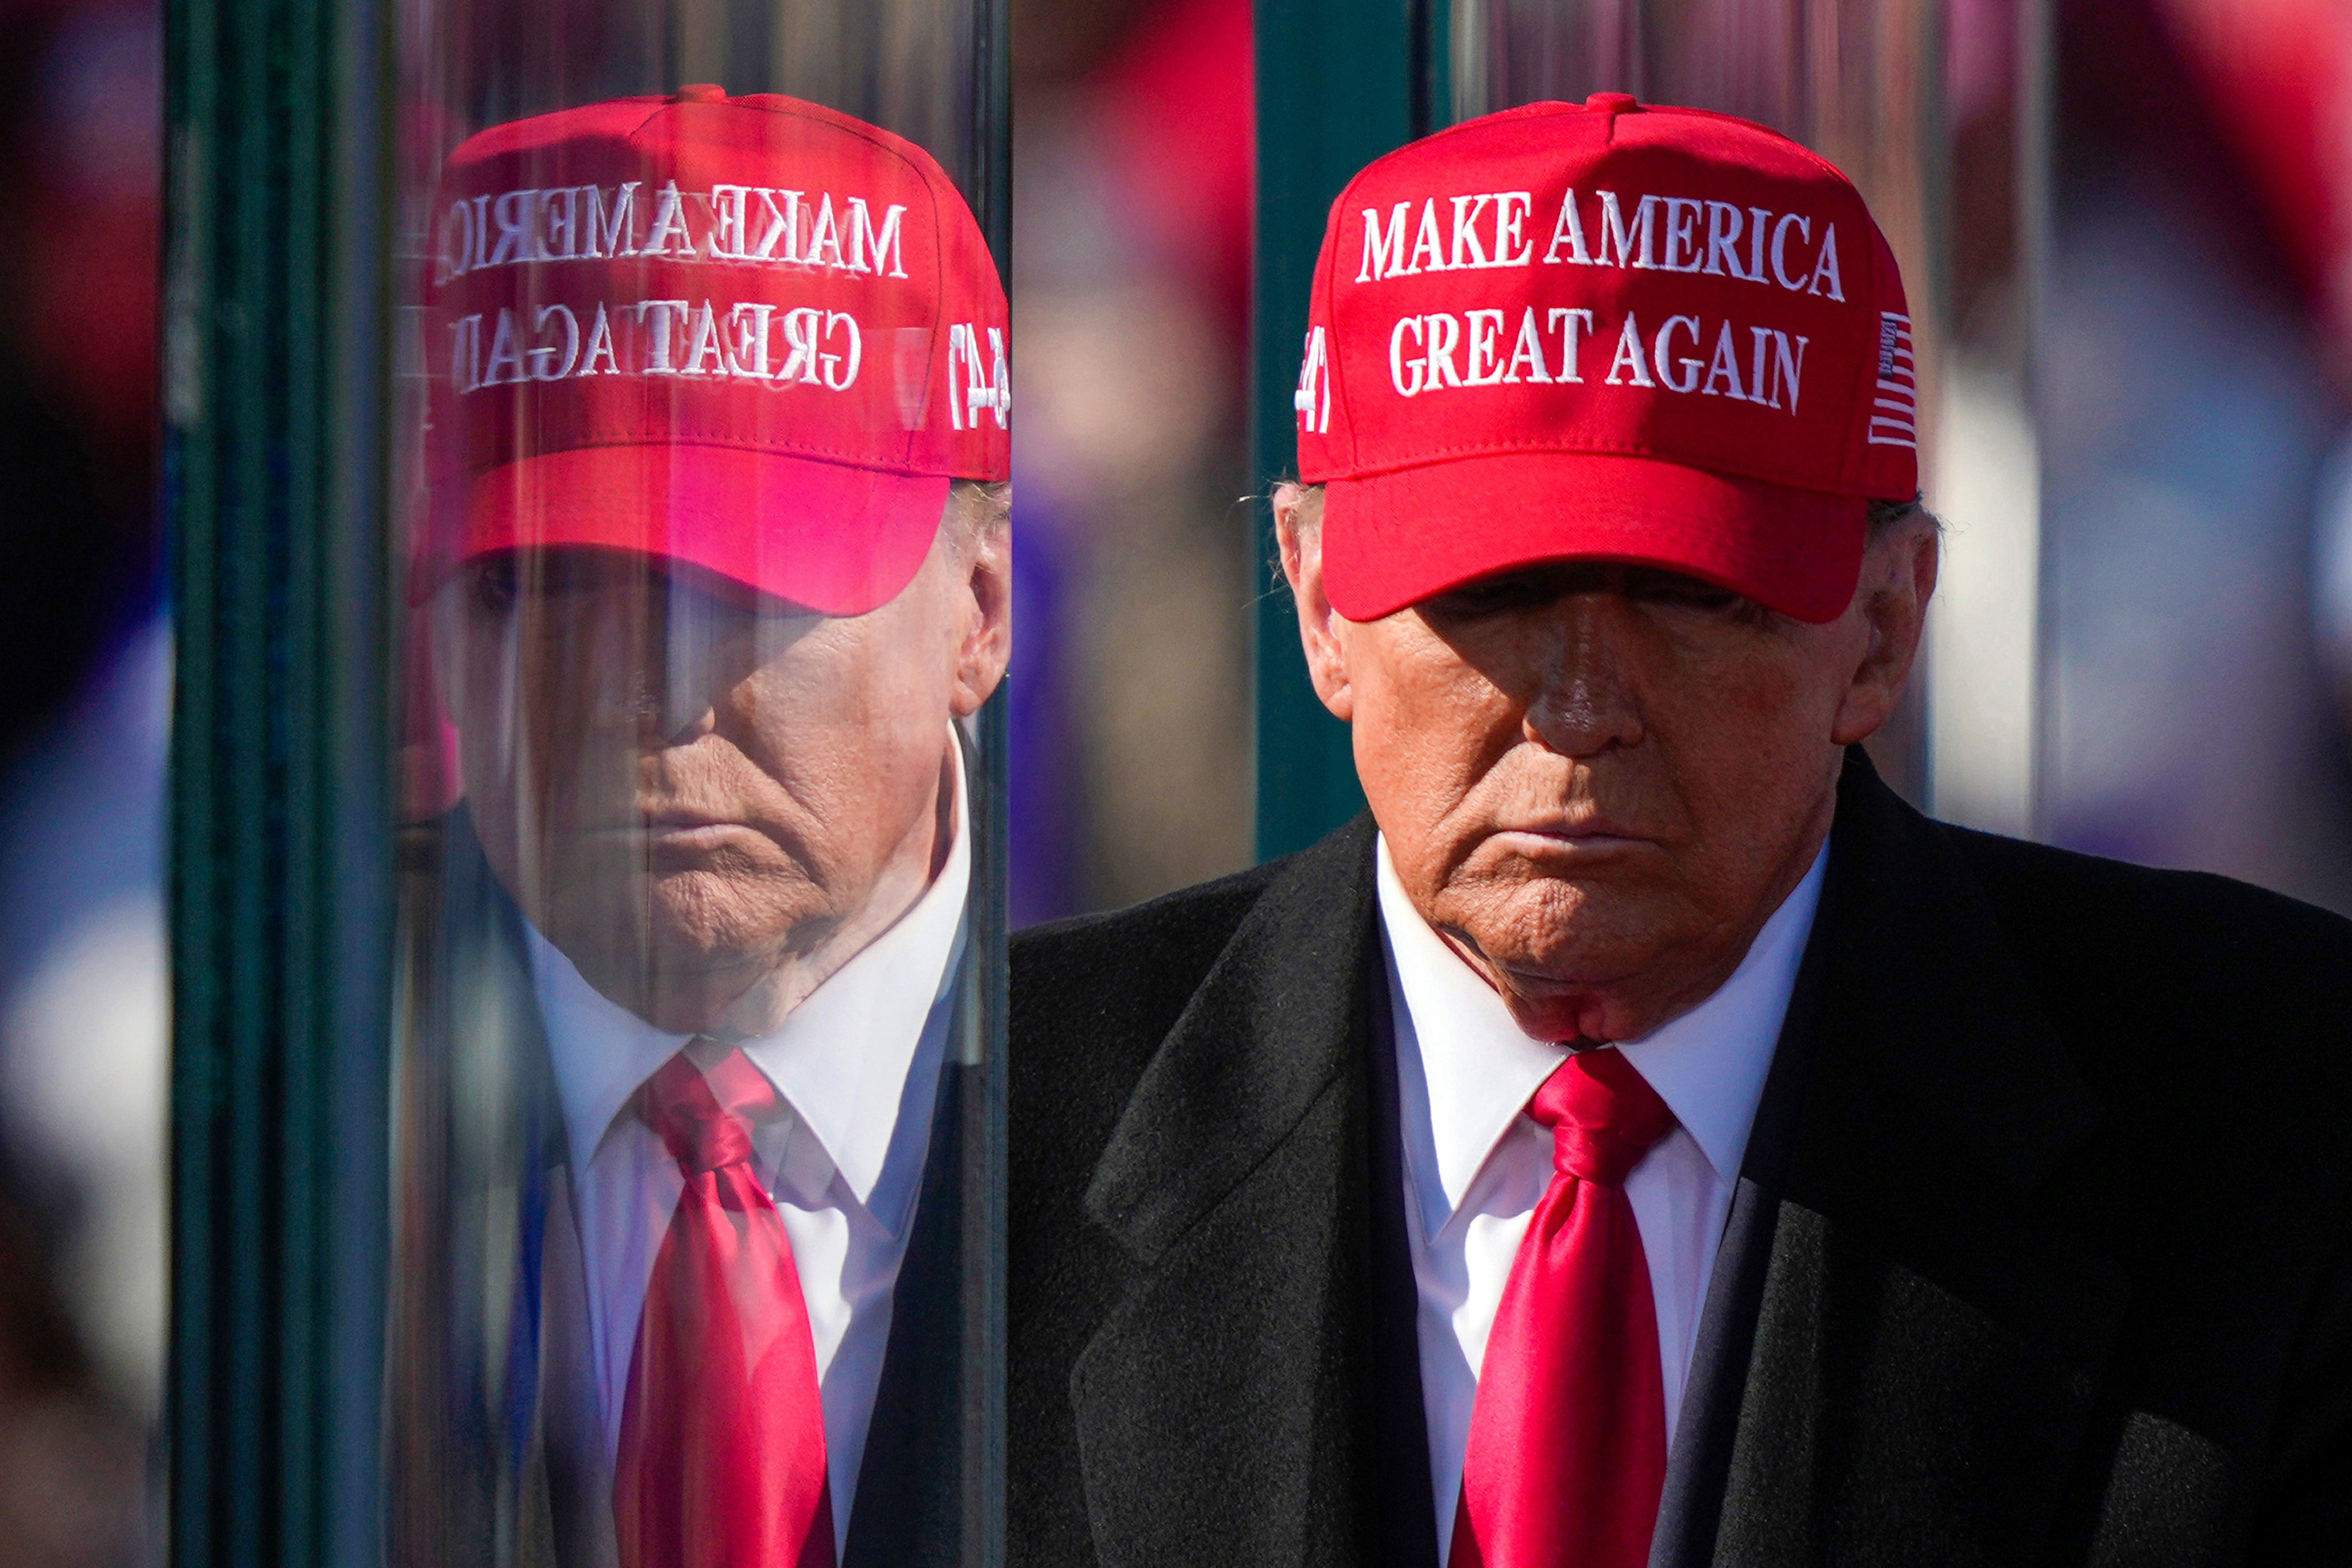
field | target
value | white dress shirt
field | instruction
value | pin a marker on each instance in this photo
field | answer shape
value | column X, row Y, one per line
column 1475, row 1164
column 857, row 1064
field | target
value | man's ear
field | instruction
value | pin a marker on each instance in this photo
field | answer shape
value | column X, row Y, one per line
column 1898, row 579
column 986, row 646
column 1299, row 528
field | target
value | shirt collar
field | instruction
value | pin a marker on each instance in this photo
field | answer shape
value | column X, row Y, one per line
column 844, row 1059
column 1477, row 1069
column 601, row 1050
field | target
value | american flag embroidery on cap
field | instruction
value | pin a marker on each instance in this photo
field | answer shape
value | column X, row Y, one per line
column 1895, row 411
column 1312, row 398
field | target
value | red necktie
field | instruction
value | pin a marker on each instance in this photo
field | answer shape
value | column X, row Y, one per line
column 1567, row 1436
column 722, row 1432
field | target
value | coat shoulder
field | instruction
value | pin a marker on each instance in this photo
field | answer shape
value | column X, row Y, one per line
column 2219, row 998
column 1094, row 999
column 1127, row 973
column 2166, row 929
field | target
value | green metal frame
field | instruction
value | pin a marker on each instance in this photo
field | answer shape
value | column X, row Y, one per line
column 1339, row 82
column 272, row 469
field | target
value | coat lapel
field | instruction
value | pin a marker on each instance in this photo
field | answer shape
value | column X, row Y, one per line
column 1218, row 1407
column 563, row 1485
column 928, row 1483
column 911, row 1500
column 491, row 1400
column 1699, row 1464
column 575, row 1484
column 1929, row 1324
column 1402, row 1509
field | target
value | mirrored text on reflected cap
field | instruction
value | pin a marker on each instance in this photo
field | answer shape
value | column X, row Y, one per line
column 750, row 334
column 1605, row 330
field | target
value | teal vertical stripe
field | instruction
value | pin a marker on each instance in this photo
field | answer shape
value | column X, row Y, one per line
column 279, row 830
column 1339, row 82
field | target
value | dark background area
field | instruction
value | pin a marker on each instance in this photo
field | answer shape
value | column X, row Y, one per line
column 81, row 718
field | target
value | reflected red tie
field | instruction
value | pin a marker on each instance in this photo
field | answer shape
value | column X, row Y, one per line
column 1567, row 1436
column 722, row 1433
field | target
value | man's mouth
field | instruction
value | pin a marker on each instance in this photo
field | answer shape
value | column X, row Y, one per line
column 1581, row 835
column 677, row 829
column 673, row 819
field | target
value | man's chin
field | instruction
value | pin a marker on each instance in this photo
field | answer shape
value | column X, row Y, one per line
column 678, row 989
column 687, row 919
column 1560, row 952
column 1569, row 931
column 678, row 976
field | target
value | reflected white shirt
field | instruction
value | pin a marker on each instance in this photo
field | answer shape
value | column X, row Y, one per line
column 857, row 1064
column 1475, row 1164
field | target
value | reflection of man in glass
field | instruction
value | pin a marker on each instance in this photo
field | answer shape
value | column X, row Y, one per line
column 718, row 558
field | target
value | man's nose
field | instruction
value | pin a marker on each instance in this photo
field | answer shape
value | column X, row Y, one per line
column 684, row 675
column 650, row 672
column 1583, row 702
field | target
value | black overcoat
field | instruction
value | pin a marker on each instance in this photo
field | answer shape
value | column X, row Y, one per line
column 2041, row 1252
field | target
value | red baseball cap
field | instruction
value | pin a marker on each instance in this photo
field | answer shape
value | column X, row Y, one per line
column 1604, row 330
column 750, row 334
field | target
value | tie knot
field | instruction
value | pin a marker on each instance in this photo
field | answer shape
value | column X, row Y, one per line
column 704, row 1116
column 1603, row 1116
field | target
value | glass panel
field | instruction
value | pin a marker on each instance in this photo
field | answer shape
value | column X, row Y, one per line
column 1858, row 81
column 705, row 538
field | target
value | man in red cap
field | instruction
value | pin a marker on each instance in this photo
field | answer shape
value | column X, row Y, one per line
column 1641, row 1138
column 716, row 560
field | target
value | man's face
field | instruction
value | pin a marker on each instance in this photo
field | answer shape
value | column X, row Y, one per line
column 1597, row 780
column 707, row 799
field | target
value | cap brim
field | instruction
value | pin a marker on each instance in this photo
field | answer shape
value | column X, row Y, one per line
column 838, row 540
column 1391, row 539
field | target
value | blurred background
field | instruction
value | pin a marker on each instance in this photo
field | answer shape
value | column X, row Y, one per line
column 2128, row 222
column 84, row 694
column 1135, row 565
